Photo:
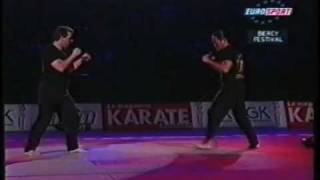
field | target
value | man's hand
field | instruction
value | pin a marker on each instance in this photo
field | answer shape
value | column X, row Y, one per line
column 86, row 57
column 207, row 58
column 76, row 52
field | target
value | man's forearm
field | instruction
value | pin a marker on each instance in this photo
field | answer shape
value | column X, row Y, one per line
column 68, row 62
column 75, row 65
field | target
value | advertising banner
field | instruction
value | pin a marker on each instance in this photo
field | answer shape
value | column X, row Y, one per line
column 147, row 116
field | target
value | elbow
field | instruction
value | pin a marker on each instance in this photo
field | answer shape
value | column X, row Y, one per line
column 66, row 69
column 224, row 71
column 59, row 66
column 61, row 69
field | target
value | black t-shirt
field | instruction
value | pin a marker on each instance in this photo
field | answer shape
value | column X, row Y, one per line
column 237, row 68
column 51, row 76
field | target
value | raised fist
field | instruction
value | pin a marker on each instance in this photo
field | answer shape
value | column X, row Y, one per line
column 76, row 52
column 86, row 57
column 205, row 58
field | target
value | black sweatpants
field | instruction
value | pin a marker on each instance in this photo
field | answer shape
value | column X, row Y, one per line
column 230, row 96
column 51, row 101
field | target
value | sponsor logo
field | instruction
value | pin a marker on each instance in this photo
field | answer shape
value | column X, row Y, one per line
column 199, row 116
column 87, row 119
column 148, row 116
column 254, row 113
column 21, row 117
column 268, row 11
column 14, row 117
column 262, row 114
column 9, row 120
column 300, row 114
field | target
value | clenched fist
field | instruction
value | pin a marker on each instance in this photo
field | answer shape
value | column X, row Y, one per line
column 76, row 52
column 207, row 58
column 86, row 57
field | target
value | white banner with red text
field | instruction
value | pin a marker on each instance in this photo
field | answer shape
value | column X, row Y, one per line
column 300, row 115
column 20, row 117
column 260, row 113
column 147, row 116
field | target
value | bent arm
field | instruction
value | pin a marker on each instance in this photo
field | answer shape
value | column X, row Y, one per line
column 77, row 63
column 222, row 67
column 62, row 65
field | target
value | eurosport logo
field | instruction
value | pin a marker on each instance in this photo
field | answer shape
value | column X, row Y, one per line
column 268, row 11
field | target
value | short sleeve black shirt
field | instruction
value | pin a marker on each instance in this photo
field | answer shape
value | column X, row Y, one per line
column 237, row 68
column 50, row 75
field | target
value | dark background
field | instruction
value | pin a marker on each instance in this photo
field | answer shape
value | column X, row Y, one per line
column 150, row 50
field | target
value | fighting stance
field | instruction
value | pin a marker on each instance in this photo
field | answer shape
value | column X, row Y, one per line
column 53, row 95
column 229, row 64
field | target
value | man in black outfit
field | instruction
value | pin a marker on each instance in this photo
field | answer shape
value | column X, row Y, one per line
column 57, row 66
column 231, row 94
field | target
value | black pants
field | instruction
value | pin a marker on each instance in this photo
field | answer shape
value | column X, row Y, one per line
column 230, row 96
column 51, row 101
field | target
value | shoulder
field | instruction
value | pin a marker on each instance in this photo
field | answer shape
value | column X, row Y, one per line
column 232, row 50
column 230, row 53
column 50, row 50
column 50, row 53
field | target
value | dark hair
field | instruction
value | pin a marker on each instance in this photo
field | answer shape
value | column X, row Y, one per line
column 225, row 34
column 219, row 34
column 61, row 31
